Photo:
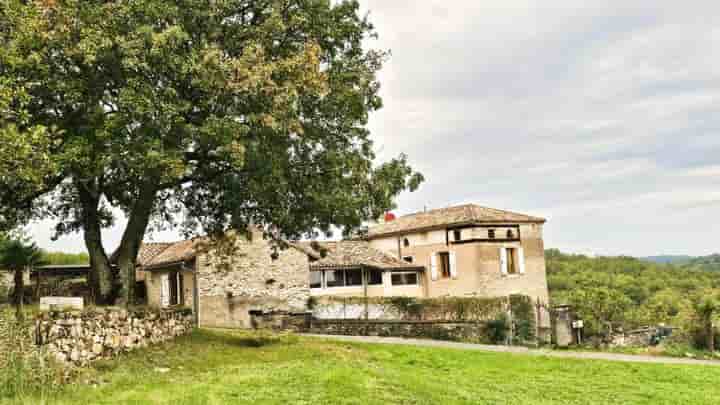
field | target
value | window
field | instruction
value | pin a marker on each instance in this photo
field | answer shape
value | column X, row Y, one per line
column 510, row 234
column 353, row 277
column 444, row 259
column 457, row 234
column 408, row 259
column 491, row 234
column 316, row 279
column 374, row 277
column 171, row 289
column 406, row 242
column 404, row 279
column 335, row 278
column 512, row 263
column 344, row 278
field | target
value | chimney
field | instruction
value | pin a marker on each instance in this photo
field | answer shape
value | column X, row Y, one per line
column 389, row 216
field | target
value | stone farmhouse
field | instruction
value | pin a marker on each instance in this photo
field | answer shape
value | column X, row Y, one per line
column 466, row 250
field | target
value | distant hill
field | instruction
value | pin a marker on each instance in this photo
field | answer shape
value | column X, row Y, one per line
column 709, row 263
column 669, row 259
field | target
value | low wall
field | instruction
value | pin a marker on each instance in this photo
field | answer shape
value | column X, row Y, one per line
column 475, row 332
column 80, row 337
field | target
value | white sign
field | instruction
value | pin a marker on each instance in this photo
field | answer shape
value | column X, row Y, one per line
column 578, row 324
column 60, row 303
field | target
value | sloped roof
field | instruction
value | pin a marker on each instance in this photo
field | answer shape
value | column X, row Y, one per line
column 149, row 251
column 174, row 253
column 157, row 255
column 442, row 217
column 358, row 253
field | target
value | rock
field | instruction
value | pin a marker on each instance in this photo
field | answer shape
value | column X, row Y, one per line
column 74, row 355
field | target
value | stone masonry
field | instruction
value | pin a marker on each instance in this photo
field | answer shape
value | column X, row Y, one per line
column 252, row 278
column 81, row 337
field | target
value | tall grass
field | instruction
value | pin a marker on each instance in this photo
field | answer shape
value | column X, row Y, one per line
column 25, row 369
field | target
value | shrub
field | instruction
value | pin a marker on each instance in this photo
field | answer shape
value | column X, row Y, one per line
column 523, row 318
column 497, row 329
column 24, row 368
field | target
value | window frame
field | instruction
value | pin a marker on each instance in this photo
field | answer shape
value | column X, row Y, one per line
column 444, row 264
column 367, row 275
column 322, row 280
column 512, row 266
column 405, row 273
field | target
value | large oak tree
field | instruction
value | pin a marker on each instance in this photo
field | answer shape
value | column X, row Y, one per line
column 207, row 115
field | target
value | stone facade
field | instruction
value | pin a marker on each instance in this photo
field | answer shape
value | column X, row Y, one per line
column 253, row 278
column 81, row 337
column 478, row 262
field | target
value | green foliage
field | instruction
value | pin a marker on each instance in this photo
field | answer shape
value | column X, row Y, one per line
column 523, row 316
column 60, row 258
column 612, row 293
column 25, row 370
column 231, row 112
column 236, row 367
column 497, row 329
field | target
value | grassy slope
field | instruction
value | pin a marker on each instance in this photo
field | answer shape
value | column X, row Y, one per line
column 233, row 367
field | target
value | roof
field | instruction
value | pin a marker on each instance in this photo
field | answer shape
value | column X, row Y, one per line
column 158, row 255
column 149, row 251
column 353, row 253
column 155, row 256
column 467, row 214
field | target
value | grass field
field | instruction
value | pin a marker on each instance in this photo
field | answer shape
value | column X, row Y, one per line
column 222, row 367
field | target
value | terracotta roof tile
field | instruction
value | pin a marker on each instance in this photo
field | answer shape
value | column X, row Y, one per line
column 356, row 253
column 438, row 218
column 174, row 253
column 148, row 251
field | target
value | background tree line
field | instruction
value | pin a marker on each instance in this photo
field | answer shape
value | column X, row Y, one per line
column 622, row 293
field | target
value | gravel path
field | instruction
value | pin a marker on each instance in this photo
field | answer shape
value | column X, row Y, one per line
column 520, row 350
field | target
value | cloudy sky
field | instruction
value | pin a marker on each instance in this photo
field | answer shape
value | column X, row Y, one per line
column 598, row 115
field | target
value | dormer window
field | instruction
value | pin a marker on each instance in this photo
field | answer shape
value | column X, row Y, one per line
column 457, row 234
column 406, row 242
column 510, row 234
column 491, row 234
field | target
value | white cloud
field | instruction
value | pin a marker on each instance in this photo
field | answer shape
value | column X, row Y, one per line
column 600, row 115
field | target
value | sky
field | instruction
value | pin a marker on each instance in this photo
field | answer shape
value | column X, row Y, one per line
column 600, row 116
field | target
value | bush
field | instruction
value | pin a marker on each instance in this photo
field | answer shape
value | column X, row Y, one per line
column 523, row 314
column 24, row 368
column 497, row 329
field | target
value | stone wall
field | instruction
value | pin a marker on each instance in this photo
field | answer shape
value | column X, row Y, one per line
column 250, row 277
column 81, row 337
column 475, row 332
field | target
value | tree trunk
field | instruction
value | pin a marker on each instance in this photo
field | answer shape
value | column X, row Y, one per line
column 132, row 238
column 100, row 278
column 19, row 293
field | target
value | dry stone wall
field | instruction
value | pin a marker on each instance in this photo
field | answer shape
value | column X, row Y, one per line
column 81, row 337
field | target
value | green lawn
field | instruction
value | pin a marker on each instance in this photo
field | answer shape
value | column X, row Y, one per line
column 218, row 367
